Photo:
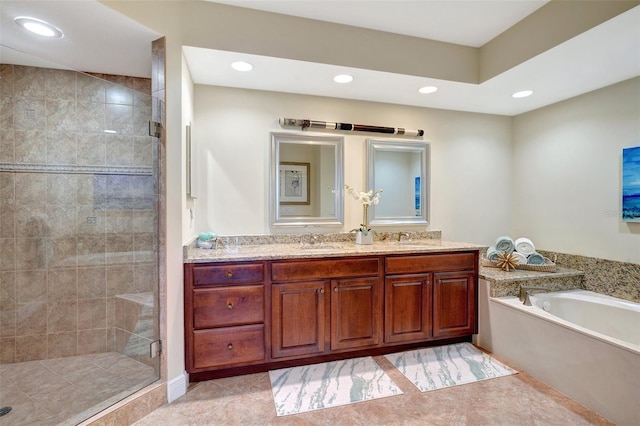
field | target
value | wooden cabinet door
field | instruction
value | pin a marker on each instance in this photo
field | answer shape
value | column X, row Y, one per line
column 408, row 302
column 298, row 318
column 356, row 311
column 454, row 304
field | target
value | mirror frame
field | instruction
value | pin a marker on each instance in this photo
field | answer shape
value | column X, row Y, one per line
column 420, row 147
column 306, row 138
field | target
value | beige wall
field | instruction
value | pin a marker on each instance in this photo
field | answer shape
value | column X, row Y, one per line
column 567, row 173
column 470, row 157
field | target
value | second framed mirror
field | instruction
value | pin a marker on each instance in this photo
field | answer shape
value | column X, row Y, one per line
column 401, row 169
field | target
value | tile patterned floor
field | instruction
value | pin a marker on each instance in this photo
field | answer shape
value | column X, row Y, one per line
column 68, row 390
column 511, row 401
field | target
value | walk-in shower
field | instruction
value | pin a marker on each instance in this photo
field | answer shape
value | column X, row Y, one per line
column 78, row 242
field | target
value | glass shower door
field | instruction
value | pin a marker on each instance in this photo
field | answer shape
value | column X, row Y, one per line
column 78, row 242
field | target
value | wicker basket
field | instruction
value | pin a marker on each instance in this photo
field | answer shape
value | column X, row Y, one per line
column 548, row 266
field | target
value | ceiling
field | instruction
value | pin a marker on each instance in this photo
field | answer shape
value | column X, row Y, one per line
column 601, row 56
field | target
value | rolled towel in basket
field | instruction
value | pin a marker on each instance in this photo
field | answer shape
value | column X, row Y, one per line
column 492, row 254
column 521, row 259
column 535, row 258
column 525, row 246
column 505, row 244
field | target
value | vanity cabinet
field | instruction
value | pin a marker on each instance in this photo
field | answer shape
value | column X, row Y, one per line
column 298, row 318
column 454, row 302
column 430, row 296
column 249, row 316
column 311, row 316
column 224, row 315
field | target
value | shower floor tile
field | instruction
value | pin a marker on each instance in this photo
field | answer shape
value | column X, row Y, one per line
column 68, row 390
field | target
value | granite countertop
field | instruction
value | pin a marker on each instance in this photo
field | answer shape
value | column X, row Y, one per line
column 328, row 249
column 496, row 275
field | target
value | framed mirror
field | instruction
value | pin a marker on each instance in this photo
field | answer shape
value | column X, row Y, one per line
column 306, row 179
column 401, row 169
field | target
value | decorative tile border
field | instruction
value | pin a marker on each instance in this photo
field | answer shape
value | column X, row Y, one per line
column 74, row 169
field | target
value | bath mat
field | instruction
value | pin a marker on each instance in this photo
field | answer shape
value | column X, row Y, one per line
column 330, row 384
column 445, row 366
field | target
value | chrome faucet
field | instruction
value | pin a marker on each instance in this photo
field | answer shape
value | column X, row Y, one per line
column 311, row 239
column 526, row 291
column 402, row 234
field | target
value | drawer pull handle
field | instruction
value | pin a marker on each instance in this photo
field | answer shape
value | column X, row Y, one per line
column 230, row 306
column 229, row 274
column 230, row 347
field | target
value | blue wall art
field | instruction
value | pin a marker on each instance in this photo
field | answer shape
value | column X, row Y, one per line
column 631, row 184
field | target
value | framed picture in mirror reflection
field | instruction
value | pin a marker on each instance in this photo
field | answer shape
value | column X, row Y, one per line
column 294, row 183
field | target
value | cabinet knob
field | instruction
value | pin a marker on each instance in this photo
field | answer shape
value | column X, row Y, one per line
column 230, row 305
column 322, row 291
column 230, row 347
column 229, row 274
column 335, row 289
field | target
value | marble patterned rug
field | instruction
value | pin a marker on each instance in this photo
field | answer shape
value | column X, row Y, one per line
column 330, row 384
column 444, row 366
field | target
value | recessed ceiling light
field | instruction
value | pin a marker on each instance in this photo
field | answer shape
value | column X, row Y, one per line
column 110, row 131
column 38, row 26
column 343, row 78
column 427, row 89
column 522, row 94
column 241, row 66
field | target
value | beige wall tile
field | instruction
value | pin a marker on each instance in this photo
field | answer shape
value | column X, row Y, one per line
column 61, row 115
column 90, row 89
column 8, row 258
column 30, row 189
column 92, row 341
column 62, row 344
column 7, row 288
column 91, row 117
column 7, row 138
column 31, row 319
column 8, row 319
column 7, row 221
column 91, row 149
column 62, row 285
column 61, row 84
column 6, row 80
column 61, row 252
column 62, row 316
column 31, row 348
column 29, row 114
column 92, row 314
column 29, row 81
column 7, row 350
column 62, row 189
column 92, row 283
column 31, row 221
column 31, row 286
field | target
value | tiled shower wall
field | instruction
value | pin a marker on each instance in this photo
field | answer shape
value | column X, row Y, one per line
column 78, row 210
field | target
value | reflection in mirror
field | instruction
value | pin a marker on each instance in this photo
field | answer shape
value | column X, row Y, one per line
column 401, row 169
column 306, row 179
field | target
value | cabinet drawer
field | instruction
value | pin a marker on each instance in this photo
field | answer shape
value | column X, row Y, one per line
column 323, row 269
column 430, row 263
column 228, row 274
column 225, row 306
column 228, row 345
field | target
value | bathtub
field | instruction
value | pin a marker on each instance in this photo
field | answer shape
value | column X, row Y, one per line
column 581, row 343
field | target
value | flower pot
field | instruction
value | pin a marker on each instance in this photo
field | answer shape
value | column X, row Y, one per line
column 364, row 239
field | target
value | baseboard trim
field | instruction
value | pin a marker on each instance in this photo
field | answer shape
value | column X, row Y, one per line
column 177, row 387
